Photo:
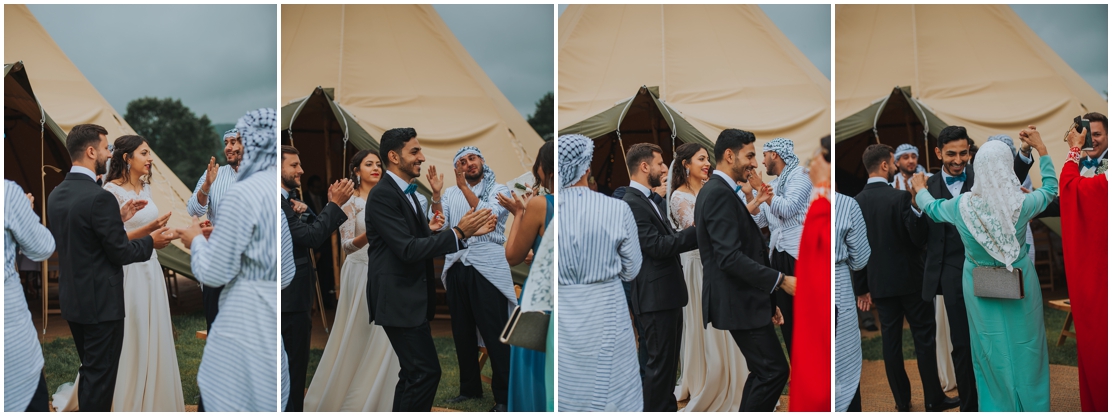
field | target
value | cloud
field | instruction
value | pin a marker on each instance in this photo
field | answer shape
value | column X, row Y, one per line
column 512, row 43
column 220, row 60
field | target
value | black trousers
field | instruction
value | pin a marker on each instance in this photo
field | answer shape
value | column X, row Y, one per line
column 98, row 346
column 920, row 316
column 420, row 373
column 855, row 404
column 660, row 336
column 475, row 303
column 40, row 402
column 962, row 355
column 785, row 263
column 297, row 332
column 768, row 368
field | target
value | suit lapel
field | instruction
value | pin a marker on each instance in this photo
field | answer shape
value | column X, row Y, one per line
column 968, row 184
column 940, row 190
column 407, row 207
column 657, row 213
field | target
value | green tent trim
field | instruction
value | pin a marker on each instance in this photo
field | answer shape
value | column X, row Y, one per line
column 866, row 119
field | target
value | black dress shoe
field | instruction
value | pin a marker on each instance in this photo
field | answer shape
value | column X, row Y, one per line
column 498, row 408
column 945, row 404
column 903, row 408
column 460, row 399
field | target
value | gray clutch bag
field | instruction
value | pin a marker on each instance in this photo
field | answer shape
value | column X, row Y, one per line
column 527, row 330
column 997, row 282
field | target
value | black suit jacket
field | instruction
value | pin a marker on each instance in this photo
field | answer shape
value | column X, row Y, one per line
column 660, row 284
column 92, row 250
column 737, row 279
column 896, row 236
column 299, row 295
column 945, row 251
column 400, row 281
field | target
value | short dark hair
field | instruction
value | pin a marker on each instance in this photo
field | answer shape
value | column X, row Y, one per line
column 81, row 137
column 952, row 133
column 288, row 150
column 825, row 142
column 641, row 152
column 394, row 140
column 1097, row 117
column 875, row 155
column 732, row 139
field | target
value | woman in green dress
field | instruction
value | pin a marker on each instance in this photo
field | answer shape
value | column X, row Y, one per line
column 1008, row 337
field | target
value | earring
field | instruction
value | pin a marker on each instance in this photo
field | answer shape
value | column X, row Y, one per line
column 686, row 172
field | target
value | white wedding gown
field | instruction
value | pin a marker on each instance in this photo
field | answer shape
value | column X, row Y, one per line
column 359, row 369
column 712, row 369
column 148, row 377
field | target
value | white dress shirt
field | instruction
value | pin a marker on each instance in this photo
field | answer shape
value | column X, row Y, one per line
column 83, row 170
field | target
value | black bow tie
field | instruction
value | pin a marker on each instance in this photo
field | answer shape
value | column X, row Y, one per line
column 655, row 197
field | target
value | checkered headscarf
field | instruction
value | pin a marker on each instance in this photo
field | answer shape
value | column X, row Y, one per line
column 260, row 141
column 576, row 151
column 488, row 174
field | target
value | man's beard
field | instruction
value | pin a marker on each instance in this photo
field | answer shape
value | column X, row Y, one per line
column 740, row 171
column 907, row 172
column 101, row 167
column 891, row 176
column 654, row 181
column 474, row 177
column 289, row 182
column 411, row 168
column 234, row 159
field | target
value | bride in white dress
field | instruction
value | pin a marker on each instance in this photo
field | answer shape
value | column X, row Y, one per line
column 359, row 369
column 148, row 377
column 712, row 369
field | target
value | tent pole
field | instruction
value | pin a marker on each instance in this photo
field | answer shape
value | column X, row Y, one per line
column 42, row 180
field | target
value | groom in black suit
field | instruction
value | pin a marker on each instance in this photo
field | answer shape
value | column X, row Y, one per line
column 401, row 286
column 88, row 226
column 297, row 298
column 659, row 291
column 738, row 284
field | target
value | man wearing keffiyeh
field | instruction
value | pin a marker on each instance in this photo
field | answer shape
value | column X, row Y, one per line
column 477, row 279
column 784, row 215
column 907, row 160
column 210, row 189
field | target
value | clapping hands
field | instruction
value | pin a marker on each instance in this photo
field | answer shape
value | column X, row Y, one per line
column 475, row 223
column 129, row 208
column 341, row 191
column 514, row 203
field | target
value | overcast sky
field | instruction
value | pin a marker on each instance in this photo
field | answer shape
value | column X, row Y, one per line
column 1077, row 33
column 512, row 43
column 219, row 60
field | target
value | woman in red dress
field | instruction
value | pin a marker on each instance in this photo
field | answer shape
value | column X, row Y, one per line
column 1084, row 208
column 810, row 382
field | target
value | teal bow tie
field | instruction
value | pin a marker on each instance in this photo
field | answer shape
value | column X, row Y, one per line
column 950, row 180
column 737, row 188
column 1090, row 163
column 409, row 190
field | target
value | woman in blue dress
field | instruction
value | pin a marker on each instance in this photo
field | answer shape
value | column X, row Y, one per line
column 527, row 367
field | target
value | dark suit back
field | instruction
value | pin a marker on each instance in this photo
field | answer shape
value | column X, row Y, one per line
column 400, row 248
column 895, row 267
column 945, row 251
column 92, row 250
column 737, row 279
column 660, row 284
column 299, row 295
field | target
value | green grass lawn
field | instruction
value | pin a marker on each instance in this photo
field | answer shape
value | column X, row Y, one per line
column 449, row 378
column 62, row 362
column 872, row 348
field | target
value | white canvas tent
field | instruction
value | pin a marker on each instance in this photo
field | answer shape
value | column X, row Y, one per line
column 977, row 66
column 69, row 99
column 717, row 66
column 391, row 66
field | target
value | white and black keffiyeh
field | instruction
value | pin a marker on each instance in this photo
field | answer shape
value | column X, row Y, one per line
column 259, row 129
column 906, row 148
column 991, row 209
column 230, row 133
column 488, row 174
column 576, row 151
column 786, row 150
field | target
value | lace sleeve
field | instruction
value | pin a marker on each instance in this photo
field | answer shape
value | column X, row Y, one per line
column 347, row 229
column 117, row 192
column 683, row 210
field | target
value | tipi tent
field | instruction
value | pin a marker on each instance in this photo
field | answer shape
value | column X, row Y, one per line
column 393, row 66
column 977, row 66
column 714, row 67
column 68, row 97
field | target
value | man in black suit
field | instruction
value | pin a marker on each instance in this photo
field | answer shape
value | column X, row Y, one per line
column 659, row 292
column 894, row 280
column 297, row 298
column 738, row 284
column 88, row 226
column 401, row 294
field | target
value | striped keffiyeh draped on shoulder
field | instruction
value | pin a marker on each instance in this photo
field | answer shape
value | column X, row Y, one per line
column 237, row 369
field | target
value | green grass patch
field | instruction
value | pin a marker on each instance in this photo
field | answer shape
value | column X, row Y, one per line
column 873, row 349
column 62, row 362
column 449, row 377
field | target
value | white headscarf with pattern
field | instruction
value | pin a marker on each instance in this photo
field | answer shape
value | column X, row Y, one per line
column 991, row 209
